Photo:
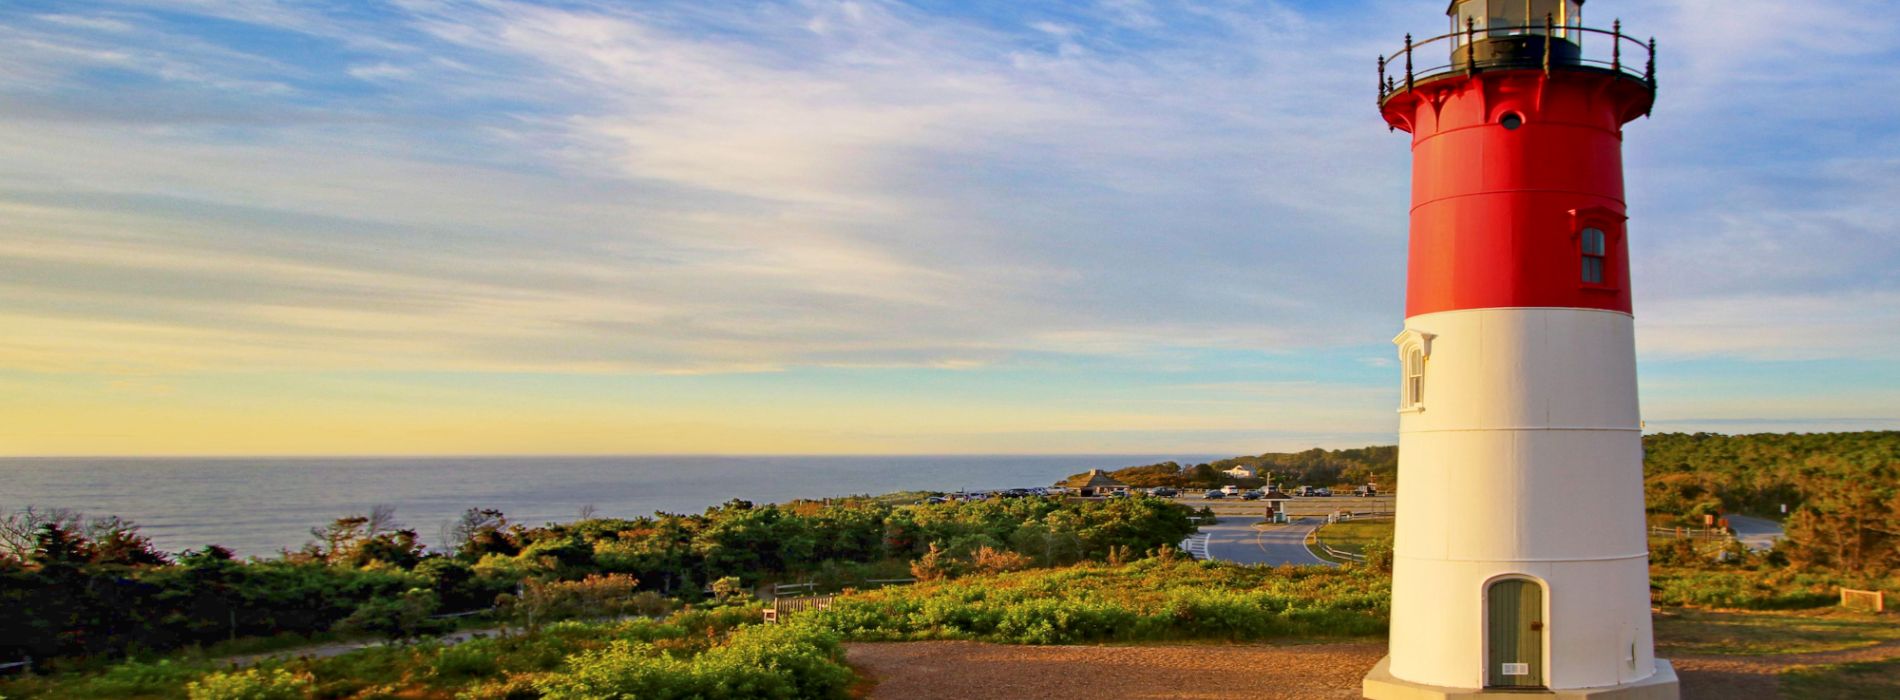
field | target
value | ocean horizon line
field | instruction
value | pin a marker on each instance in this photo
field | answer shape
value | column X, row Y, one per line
column 608, row 455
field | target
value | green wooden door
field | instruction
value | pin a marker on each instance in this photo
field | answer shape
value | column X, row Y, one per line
column 1514, row 620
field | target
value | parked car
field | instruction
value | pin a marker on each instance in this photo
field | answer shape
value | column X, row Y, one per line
column 934, row 500
column 1322, row 491
column 1215, row 494
column 1230, row 490
column 1251, row 495
column 1365, row 491
column 1164, row 492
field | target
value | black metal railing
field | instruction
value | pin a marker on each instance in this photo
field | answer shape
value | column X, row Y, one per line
column 1561, row 45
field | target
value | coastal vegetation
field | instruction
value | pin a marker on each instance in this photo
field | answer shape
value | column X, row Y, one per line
column 715, row 653
column 722, row 650
column 663, row 606
column 1161, row 598
column 78, row 588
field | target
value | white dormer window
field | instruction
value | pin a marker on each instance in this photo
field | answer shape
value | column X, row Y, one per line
column 1414, row 378
column 1415, row 348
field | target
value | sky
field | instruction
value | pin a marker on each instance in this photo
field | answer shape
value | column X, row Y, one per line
column 860, row 227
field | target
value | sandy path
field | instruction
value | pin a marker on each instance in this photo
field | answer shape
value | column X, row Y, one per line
column 958, row 670
column 1714, row 677
column 324, row 651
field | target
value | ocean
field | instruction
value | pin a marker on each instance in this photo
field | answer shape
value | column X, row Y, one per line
column 259, row 506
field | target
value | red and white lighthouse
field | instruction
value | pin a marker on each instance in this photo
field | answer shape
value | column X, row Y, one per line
column 1520, row 562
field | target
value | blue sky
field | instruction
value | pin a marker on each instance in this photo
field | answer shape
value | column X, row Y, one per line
column 1115, row 226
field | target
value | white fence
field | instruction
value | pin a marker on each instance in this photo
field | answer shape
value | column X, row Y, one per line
column 1312, row 541
column 811, row 587
column 1312, row 538
column 1693, row 533
column 1875, row 601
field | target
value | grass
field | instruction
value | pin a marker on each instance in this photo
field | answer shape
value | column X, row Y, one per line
column 1747, row 633
column 1147, row 600
column 482, row 668
column 1871, row 679
column 1351, row 536
column 1354, row 535
column 1754, row 589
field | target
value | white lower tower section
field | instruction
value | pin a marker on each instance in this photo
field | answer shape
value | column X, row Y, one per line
column 1522, row 459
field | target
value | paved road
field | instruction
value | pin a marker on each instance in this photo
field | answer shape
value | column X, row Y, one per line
column 1756, row 533
column 1236, row 540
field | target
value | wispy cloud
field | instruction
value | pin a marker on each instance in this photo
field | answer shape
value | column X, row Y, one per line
column 856, row 173
column 694, row 188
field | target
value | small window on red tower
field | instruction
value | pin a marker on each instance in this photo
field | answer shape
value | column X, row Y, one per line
column 1594, row 247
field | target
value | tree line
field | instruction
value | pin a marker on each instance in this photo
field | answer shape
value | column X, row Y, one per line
column 1377, row 464
column 1841, row 490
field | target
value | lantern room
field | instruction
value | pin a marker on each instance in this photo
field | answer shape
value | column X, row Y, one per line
column 1515, row 32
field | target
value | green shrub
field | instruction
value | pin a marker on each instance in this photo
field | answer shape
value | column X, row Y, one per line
column 1751, row 589
column 404, row 617
column 475, row 658
column 251, row 684
column 777, row 661
column 1153, row 599
column 136, row 678
column 540, row 602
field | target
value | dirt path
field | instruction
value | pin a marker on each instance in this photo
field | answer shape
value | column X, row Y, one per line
column 1717, row 677
column 329, row 649
column 960, row 670
column 967, row 670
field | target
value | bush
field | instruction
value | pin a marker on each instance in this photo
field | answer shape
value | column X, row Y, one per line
column 1152, row 599
column 730, row 590
column 1772, row 589
column 136, row 678
column 933, row 565
column 251, row 684
column 1378, row 555
column 777, row 661
column 471, row 659
column 988, row 560
column 541, row 602
column 405, row 617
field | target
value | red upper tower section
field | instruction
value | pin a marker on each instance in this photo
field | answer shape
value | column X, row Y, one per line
column 1517, row 156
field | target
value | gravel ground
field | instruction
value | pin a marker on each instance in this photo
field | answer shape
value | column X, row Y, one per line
column 960, row 670
column 1711, row 677
column 969, row 670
